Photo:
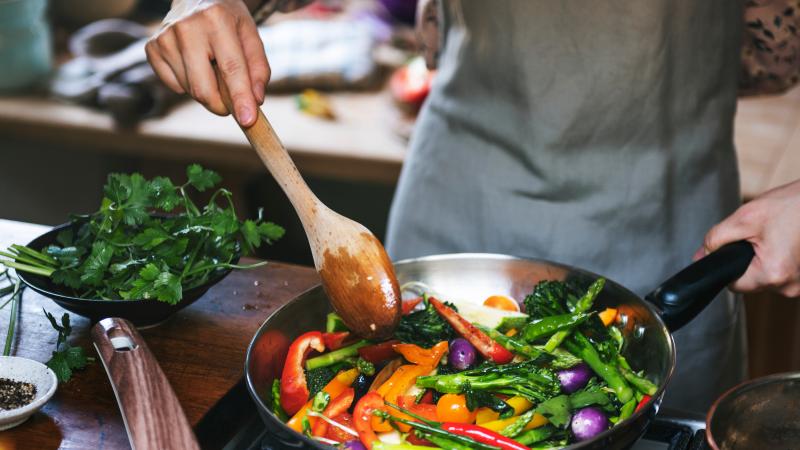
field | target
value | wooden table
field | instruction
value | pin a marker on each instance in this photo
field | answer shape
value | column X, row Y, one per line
column 201, row 350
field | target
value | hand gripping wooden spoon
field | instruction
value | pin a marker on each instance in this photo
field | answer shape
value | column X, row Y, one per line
column 356, row 272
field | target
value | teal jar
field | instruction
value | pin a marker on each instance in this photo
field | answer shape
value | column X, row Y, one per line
column 25, row 51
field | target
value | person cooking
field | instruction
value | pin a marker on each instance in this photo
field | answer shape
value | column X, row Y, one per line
column 597, row 134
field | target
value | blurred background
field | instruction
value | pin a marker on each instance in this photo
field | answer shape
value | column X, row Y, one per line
column 78, row 100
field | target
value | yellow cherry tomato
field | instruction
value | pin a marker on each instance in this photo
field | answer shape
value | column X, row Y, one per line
column 453, row 408
column 502, row 302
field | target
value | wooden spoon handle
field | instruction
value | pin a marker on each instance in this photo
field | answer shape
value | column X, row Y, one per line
column 152, row 414
column 277, row 160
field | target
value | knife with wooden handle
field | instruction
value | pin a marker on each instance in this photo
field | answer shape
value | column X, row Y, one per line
column 154, row 419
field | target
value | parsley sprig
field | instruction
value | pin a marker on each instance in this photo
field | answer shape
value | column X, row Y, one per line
column 148, row 240
column 65, row 358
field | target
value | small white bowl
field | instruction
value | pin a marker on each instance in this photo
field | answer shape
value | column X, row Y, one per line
column 28, row 371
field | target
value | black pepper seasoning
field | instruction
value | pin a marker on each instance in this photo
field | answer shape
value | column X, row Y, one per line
column 15, row 394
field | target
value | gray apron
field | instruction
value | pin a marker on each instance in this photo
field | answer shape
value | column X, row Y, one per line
column 597, row 134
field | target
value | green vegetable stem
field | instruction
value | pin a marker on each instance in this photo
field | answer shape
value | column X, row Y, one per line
column 335, row 356
column 584, row 304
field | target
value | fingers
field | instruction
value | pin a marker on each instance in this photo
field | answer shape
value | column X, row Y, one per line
column 231, row 63
column 197, row 56
column 182, row 56
column 162, row 69
column 168, row 50
column 770, row 225
column 256, row 58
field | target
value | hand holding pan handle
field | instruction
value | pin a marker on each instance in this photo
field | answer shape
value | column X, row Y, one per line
column 152, row 414
column 688, row 292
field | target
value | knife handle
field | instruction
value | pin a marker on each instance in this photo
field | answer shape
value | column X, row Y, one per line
column 152, row 414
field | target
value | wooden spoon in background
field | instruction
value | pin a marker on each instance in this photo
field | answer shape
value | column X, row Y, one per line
column 356, row 272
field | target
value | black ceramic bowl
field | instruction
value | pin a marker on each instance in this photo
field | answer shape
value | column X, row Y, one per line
column 143, row 313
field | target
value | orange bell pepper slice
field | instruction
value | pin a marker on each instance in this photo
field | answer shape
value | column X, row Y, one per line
column 422, row 356
column 608, row 316
column 337, row 385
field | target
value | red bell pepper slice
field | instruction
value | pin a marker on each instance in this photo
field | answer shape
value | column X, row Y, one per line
column 362, row 417
column 336, row 406
column 294, row 392
column 645, row 398
column 425, row 410
column 485, row 345
column 483, row 435
column 335, row 340
column 378, row 353
column 337, row 434
column 409, row 305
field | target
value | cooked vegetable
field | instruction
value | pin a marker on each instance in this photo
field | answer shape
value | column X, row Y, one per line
column 378, row 353
column 418, row 355
column 335, row 356
column 581, row 306
column 574, row 378
column 334, row 323
column 535, row 435
column 357, row 445
column 501, row 302
column 512, row 344
column 435, row 430
column 361, row 385
column 581, row 347
column 275, row 403
column 588, row 423
column 335, row 340
column 462, row 354
column 136, row 247
column 334, row 407
column 453, row 408
column 483, row 435
column 318, row 378
column 294, row 391
column 424, row 327
column 548, row 326
column 644, row 385
column 362, row 417
column 642, row 402
column 525, row 379
column 608, row 316
column 479, row 399
column 483, row 343
column 337, row 385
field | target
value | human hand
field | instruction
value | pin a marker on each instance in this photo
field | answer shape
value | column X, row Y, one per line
column 771, row 222
column 197, row 32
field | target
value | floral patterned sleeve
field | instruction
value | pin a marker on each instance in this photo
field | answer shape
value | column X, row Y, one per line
column 770, row 47
column 268, row 7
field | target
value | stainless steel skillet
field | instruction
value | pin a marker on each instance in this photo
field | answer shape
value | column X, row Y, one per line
column 646, row 323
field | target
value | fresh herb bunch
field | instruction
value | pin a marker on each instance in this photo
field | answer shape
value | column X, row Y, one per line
column 137, row 247
column 65, row 358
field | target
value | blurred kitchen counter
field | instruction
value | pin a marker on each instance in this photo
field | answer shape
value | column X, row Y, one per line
column 360, row 145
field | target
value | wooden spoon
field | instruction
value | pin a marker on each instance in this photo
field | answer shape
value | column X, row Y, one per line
column 356, row 272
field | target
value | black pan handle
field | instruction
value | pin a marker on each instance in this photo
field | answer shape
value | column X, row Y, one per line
column 688, row 292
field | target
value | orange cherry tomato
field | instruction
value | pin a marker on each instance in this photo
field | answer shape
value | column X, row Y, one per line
column 501, row 302
column 453, row 408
